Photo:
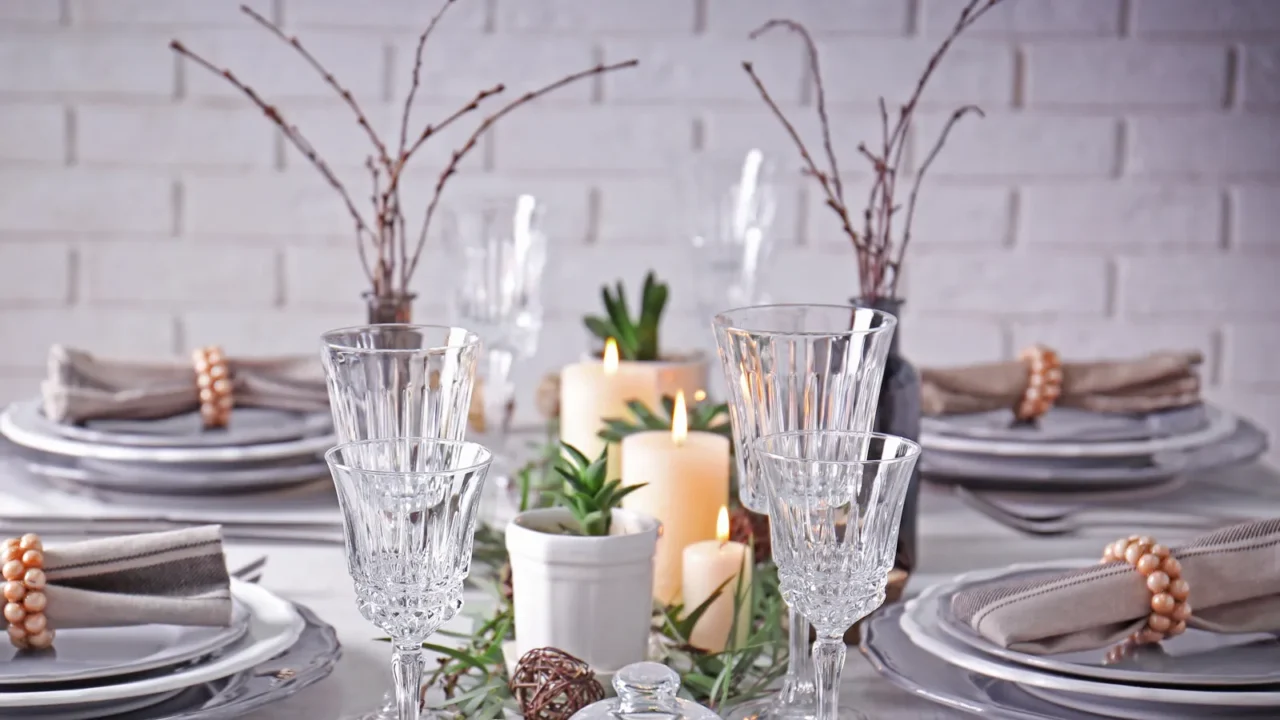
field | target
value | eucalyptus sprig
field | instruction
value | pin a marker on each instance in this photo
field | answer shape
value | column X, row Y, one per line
column 705, row 416
column 587, row 493
column 637, row 339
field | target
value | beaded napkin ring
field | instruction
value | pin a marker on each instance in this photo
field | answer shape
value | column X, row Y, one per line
column 25, row 601
column 213, row 378
column 1169, row 591
column 1044, row 382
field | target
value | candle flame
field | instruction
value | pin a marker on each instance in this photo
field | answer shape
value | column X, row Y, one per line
column 722, row 525
column 610, row 356
column 699, row 395
column 679, row 420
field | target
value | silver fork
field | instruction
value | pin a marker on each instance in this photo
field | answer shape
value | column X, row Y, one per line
column 250, row 572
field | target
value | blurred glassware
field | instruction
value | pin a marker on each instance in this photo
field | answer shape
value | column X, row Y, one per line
column 734, row 203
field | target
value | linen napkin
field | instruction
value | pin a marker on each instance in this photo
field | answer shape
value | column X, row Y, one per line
column 1234, row 576
column 83, row 387
column 1156, row 382
column 177, row 577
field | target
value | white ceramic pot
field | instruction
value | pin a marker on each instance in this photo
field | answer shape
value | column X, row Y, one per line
column 591, row 597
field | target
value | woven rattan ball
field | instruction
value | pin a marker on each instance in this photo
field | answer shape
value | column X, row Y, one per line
column 551, row 684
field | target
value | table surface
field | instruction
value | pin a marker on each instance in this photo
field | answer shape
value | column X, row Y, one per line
column 953, row 538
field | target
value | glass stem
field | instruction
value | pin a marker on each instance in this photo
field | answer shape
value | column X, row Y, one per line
column 828, row 663
column 406, row 670
column 798, row 684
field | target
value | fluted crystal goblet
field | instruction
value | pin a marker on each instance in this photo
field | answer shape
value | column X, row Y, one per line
column 790, row 368
column 835, row 501
column 409, row 508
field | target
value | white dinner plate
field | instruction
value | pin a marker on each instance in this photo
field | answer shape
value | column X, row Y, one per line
column 920, row 622
column 88, row 711
column 246, row 426
column 91, row 653
column 21, row 423
column 177, row 479
column 1064, row 424
column 274, row 626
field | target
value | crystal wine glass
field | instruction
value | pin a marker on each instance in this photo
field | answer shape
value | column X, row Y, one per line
column 409, row 508
column 835, row 501
column 789, row 368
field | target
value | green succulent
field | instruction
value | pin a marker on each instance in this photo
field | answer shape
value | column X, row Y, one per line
column 705, row 416
column 586, row 492
column 637, row 339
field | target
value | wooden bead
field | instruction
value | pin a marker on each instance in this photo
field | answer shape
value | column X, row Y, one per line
column 1179, row 589
column 1181, row 612
column 1171, row 566
column 1117, row 549
column 1134, row 552
column 35, row 623
column 1148, row 564
column 11, row 553
column 1150, row 637
column 11, row 542
column 1158, row 581
column 203, row 381
column 34, row 579
column 14, row 612
column 217, row 371
column 198, row 358
column 13, row 570
column 207, row 395
column 41, row 640
column 1162, row 603
column 222, row 387
column 1158, row 622
column 225, row 402
column 31, row 541
column 1178, row 628
column 14, row 591
column 1160, row 551
column 33, row 559
column 35, row 601
column 16, row 632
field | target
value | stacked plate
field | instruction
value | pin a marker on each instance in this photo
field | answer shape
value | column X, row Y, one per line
column 260, row 449
column 924, row 648
column 164, row 671
column 1072, row 449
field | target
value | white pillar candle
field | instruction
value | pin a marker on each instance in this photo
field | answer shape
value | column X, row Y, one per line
column 592, row 391
column 686, row 482
column 707, row 566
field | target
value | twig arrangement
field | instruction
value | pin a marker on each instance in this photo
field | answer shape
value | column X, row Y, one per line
column 880, row 254
column 393, row 260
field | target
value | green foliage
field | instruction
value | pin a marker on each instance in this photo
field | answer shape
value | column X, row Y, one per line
column 586, row 491
column 637, row 339
column 705, row 416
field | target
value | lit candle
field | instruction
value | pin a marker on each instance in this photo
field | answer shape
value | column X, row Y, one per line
column 707, row 566
column 592, row 391
column 686, row 482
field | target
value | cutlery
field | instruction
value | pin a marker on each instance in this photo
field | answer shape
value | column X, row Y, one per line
column 1071, row 519
column 231, row 530
column 250, row 572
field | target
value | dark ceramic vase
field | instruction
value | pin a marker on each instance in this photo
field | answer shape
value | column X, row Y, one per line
column 393, row 308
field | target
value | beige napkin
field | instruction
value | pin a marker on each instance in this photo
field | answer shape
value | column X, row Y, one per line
column 1234, row 576
column 1156, row 382
column 82, row 387
column 174, row 578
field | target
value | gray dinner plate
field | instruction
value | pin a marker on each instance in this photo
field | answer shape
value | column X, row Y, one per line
column 247, row 426
column 89, row 711
column 1196, row 658
column 1070, row 425
column 892, row 653
column 178, row 479
column 97, row 653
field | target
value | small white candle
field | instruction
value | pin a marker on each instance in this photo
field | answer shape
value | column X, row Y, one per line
column 707, row 566
column 686, row 483
column 592, row 391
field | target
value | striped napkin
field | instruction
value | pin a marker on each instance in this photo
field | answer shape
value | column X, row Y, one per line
column 177, row 577
column 80, row 386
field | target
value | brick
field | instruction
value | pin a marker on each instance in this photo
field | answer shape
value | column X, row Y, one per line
column 166, row 13
column 1262, row 408
column 947, row 215
column 1122, row 215
column 1009, row 284
column 296, row 204
column 19, row 385
column 33, row 132
column 34, row 273
column 323, row 276
column 1199, row 286
column 1250, row 352
column 936, row 342
column 85, row 202
column 592, row 139
column 574, row 280
column 1193, row 18
column 33, row 12
column 728, row 133
column 1137, row 74
column 670, row 209
column 701, row 70
column 277, row 72
column 27, row 336
column 1039, row 18
column 386, row 14
column 89, row 65
column 811, row 276
column 1261, row 76
column 1021, row 145
column 1204, row 146
column 600, row 16
column 1092, row 340
column 1257, row 217
column 566, row 219
column 268, row 333
column 519, row 62
column 333, row 131
column 971, row 73
column 821, row 17
column 174, row 135
column 179, row 273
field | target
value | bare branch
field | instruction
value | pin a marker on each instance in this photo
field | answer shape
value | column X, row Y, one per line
column 483, row 128
column 430, row 130
column 417, row 75
column 296, row 138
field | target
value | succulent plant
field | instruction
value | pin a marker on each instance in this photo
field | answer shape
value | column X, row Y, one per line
column 705, row 416
column 637, row 339
column 587, row 493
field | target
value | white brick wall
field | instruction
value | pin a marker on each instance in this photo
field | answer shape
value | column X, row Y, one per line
column 1122, row 195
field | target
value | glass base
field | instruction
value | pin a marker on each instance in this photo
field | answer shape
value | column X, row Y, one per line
column 773, row 709
column 388, row 712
